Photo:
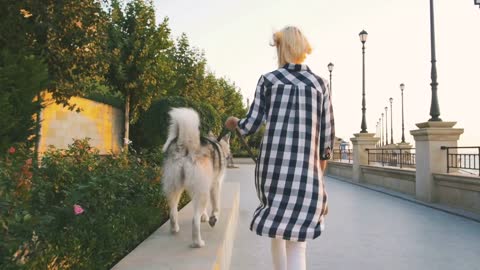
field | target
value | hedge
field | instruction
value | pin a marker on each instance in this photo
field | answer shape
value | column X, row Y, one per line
column 79, row 210
column 151, row 129
column 114, row 101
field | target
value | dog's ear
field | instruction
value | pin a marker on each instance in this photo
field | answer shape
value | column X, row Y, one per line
column 226, row 138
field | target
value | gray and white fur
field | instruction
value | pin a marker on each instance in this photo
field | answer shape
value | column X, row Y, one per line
column 195, row 164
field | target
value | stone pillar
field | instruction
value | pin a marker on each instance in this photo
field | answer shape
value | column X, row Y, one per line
column 430, row 158
column 361, row 142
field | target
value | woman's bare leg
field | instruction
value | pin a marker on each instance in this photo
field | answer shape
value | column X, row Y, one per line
column 279, row 256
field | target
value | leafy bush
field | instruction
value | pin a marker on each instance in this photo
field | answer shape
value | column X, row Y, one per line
column 151, row 130
column 244, row 153
column 79, row 210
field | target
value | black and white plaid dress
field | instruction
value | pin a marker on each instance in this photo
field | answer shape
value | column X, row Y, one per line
column 296, row 106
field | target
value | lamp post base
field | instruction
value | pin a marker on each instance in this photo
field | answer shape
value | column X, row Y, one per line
column 361, row 142
column 436, row 124
column 431, row 159
column 404, row 145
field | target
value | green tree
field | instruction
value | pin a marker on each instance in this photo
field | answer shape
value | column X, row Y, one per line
column 233, row 102
column 139, row 67
column 193, row 81
column 189, row 65
column 21, row 79
column 71, row 37
column 232, row 99
column 209, row 90
column 22, row 76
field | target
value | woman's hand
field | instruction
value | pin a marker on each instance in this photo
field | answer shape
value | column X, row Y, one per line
column 231, row 123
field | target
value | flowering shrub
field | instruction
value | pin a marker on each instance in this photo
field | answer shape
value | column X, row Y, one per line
column 78, row 210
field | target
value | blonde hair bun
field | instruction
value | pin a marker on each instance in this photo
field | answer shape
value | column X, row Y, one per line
column 292, row 45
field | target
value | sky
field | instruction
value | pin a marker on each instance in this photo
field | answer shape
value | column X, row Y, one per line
column 235, row 36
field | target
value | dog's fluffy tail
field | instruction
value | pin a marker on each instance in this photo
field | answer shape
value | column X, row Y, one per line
column 184, row 126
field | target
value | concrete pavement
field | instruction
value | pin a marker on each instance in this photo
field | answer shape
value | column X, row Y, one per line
column 365, row 229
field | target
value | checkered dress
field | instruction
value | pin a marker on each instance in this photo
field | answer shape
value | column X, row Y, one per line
column 296, row 106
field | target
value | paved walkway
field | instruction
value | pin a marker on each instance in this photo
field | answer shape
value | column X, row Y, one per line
column 365, row 229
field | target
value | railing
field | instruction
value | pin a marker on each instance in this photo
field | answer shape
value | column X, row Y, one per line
column 345, row 155
column 467, row 161
column 396, row 157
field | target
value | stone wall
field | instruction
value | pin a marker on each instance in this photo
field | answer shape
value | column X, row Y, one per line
column 340, row 169
column 458, row 191
column 401, row 180
column 100, row 122
column 453, row 190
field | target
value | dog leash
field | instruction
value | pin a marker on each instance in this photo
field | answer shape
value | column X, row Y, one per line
column 237, row 130
column 242, row 140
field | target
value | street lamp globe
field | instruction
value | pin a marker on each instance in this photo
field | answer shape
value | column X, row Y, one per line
column 391, row 100
column 363, row 36
column 402, row 86
column 330, row 67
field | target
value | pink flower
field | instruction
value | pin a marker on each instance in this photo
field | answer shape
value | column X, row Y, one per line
column 29, row 161
column 77, row 209
column 11, row 150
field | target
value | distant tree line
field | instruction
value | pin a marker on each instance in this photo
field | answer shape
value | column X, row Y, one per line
column 107, row 50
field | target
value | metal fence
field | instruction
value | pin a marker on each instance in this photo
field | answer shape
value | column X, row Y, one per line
column 467, row 161
column 345, row 155
column 396, row 157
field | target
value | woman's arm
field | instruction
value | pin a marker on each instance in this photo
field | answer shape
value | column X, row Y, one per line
column 327, row 132
column 256, row 114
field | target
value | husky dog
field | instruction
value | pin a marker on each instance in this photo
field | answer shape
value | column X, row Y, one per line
column 195, row 164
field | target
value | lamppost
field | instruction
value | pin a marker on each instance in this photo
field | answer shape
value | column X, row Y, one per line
column 330, row 69
column 391, row 121
column 383, row 133
column 402, row 87
column 380, row 131
column 386, row 125
column 363, row 38
column 434, row 107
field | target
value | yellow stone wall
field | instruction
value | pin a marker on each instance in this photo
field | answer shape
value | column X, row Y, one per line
column 100, row 122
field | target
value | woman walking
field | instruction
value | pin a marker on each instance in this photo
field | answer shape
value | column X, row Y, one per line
column 295, row 104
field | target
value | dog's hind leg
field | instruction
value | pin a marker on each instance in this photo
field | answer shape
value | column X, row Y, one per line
column 173, row 199
column 199, row 206
column 215, row 202
column 204, row 216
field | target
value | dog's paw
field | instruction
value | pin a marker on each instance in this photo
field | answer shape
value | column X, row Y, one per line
column 198, row 244
column 204, row 217
column 212, row 221
column 175, row 229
